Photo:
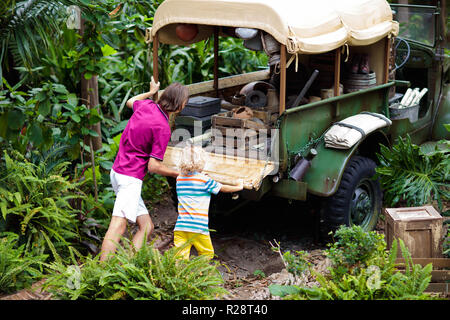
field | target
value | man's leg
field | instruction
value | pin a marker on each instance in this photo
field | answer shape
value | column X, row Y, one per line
column 115, row 231
column 145, row 225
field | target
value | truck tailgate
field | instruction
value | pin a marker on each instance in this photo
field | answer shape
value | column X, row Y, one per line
column 228, row 169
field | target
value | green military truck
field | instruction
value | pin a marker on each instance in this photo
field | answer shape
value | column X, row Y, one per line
column 343, row 78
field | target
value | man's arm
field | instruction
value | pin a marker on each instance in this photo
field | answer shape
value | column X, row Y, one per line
column 156, row 166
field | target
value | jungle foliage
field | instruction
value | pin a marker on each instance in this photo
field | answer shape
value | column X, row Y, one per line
column 143, row 275
column 362, row 269
column 50, row 206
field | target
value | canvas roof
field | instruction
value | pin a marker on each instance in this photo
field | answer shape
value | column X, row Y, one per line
column 304, row 26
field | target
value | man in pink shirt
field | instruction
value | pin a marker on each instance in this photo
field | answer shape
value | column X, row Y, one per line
column 141, row 150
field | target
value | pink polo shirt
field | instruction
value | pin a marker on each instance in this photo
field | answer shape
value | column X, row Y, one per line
column 146, row 135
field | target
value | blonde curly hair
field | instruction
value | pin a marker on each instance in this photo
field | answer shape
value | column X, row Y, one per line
column 193, row 159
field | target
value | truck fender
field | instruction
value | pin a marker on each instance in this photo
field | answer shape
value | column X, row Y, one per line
column 324, row 176
column 442, row 116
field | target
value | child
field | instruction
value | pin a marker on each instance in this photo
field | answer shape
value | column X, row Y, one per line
column 141, row 149
column 194, row 191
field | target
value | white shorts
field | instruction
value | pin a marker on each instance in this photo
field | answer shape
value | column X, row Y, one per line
column 129, row 203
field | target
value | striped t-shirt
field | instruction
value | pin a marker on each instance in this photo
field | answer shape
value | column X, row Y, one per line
column 194, row 194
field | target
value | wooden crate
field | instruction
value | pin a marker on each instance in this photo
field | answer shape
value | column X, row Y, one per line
column 227, row 121
column 239, row 142
column 440, row 275
column 420, row 228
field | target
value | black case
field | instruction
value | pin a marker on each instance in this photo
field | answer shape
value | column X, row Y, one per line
column 201, row 106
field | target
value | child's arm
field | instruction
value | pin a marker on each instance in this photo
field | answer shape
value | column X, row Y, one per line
column 236, row 188
column 154, row 87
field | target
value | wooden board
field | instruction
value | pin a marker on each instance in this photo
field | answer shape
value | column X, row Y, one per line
column 226, row 120
column 226, row 82
column 228, row 169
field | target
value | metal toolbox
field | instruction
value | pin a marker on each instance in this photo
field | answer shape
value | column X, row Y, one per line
column 201, row 106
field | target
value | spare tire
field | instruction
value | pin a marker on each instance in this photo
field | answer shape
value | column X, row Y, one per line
column 255, row 99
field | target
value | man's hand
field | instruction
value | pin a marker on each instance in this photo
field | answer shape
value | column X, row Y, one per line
column 154, row 87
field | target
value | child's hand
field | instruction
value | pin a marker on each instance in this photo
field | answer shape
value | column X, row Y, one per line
column 240, row 183
column 154, row 87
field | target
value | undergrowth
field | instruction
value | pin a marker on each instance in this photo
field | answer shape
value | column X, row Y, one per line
column 143, row 275
column 362, row 269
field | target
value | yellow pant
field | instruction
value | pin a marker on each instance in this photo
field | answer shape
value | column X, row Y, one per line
column 201, row 242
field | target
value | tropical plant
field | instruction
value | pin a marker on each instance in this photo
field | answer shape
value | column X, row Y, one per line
column 446, row 244
column 354, row 248
column 36, row 203
column 18, row 269
column 370, row 274
column 26, row 27
column 143, row 275
column 408, row 174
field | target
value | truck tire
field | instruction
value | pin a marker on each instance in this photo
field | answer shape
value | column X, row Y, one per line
column 358, row 199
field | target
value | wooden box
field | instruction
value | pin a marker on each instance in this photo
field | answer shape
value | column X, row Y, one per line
column 225, row 120
column 420, row 228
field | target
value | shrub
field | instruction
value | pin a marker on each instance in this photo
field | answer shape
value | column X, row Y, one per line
column 35, row 202
column 406, row 173
column 18, row 269
column 144, row 275
column 355, row 248
column 373, row 277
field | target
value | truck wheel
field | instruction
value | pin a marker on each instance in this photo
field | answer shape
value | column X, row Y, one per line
column 358, row 199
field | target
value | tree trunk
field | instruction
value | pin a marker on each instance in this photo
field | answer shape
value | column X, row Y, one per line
column 89, row 96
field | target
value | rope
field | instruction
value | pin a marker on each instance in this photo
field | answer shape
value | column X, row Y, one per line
column 148, row 36
column 293, row 46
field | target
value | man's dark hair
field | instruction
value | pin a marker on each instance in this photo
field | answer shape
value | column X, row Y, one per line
column 173, row 97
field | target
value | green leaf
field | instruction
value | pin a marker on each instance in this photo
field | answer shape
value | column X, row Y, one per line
column 88, row 75
column 44, row 108
column 107, row 50
column 72, row 99
column 4, row 209
column 16, row 119
column 281, row 290
column 41, row 96
column 35, row 134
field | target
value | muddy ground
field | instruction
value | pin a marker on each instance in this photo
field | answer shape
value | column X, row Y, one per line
column 243, row 242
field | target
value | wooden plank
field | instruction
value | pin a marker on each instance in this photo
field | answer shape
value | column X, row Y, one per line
column 282, row 78
column 218, row 120
column 386, row 60
column 437, row 262
column 437, row 275
column 236, row 132
column 216, row 61
column 438, row 287
column 440, row 275
column 155, row 62
column 337, row 71
column 227, row 82
column 228, row 168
